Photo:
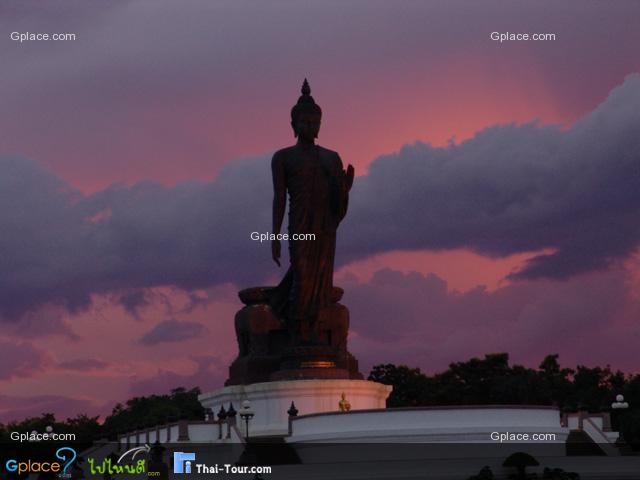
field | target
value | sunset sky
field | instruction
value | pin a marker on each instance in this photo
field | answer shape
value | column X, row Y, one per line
column 496, row 205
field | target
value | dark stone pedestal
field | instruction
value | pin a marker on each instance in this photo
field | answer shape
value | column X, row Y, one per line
column 267, row 351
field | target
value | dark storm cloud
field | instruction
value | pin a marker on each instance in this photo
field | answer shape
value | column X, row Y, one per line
column 133, row 301
column 173, row 331
column 511, row 188
column 59, row 247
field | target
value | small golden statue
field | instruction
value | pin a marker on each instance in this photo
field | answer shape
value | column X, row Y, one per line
column 344, row 404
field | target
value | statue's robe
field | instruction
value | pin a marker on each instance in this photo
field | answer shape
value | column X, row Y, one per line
column 318, row 195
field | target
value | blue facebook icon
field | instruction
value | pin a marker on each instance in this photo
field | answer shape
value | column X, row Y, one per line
column 182, row 462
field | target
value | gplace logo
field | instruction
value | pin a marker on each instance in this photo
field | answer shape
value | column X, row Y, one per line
column 182, row 462
column 66, row 454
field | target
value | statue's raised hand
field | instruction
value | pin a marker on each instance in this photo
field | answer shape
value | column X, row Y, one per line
column 275, row 251
column 349, row 177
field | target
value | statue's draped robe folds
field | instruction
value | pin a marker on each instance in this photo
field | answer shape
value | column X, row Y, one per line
column 318, row 196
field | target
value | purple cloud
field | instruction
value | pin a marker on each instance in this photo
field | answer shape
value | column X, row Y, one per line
column 173, row 331
column 415, row 319
column 21, row 359
column 18, row 408
column 511, row 188
column 211, row 372
column 134, row 300
column 83, row 364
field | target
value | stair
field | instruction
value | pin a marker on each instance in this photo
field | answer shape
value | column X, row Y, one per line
column 581, row 444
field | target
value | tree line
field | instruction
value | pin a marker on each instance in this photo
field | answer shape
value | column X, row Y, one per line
column 479, row 381
column 493, row 381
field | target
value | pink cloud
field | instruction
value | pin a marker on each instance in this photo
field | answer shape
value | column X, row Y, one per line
column 107, row 118
column 211, row 372
column 14, row 408
column 415, row 319
column 173, row 330
column 83, row 365
column 21, row 359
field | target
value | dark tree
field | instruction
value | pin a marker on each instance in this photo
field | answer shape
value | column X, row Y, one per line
column 144, row 412
column 492, row 381
column 410, row 385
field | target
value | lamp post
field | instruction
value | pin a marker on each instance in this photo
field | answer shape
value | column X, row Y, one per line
column 620, row 404
column 222, row 415
column 208, row 415
column 231, row 419
column 246, row 414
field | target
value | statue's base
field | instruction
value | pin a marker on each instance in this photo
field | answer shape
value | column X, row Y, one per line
column 310, row 374
column 317, row 362
column 268, row 352
column 270, row 401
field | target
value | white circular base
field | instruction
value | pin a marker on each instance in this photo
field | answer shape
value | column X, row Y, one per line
column 270, row 401
column 455, row 424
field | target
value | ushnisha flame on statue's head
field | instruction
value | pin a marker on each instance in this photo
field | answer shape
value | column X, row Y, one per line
column 306, row 106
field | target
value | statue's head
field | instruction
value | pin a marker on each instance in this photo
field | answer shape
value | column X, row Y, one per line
column 306, row 115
